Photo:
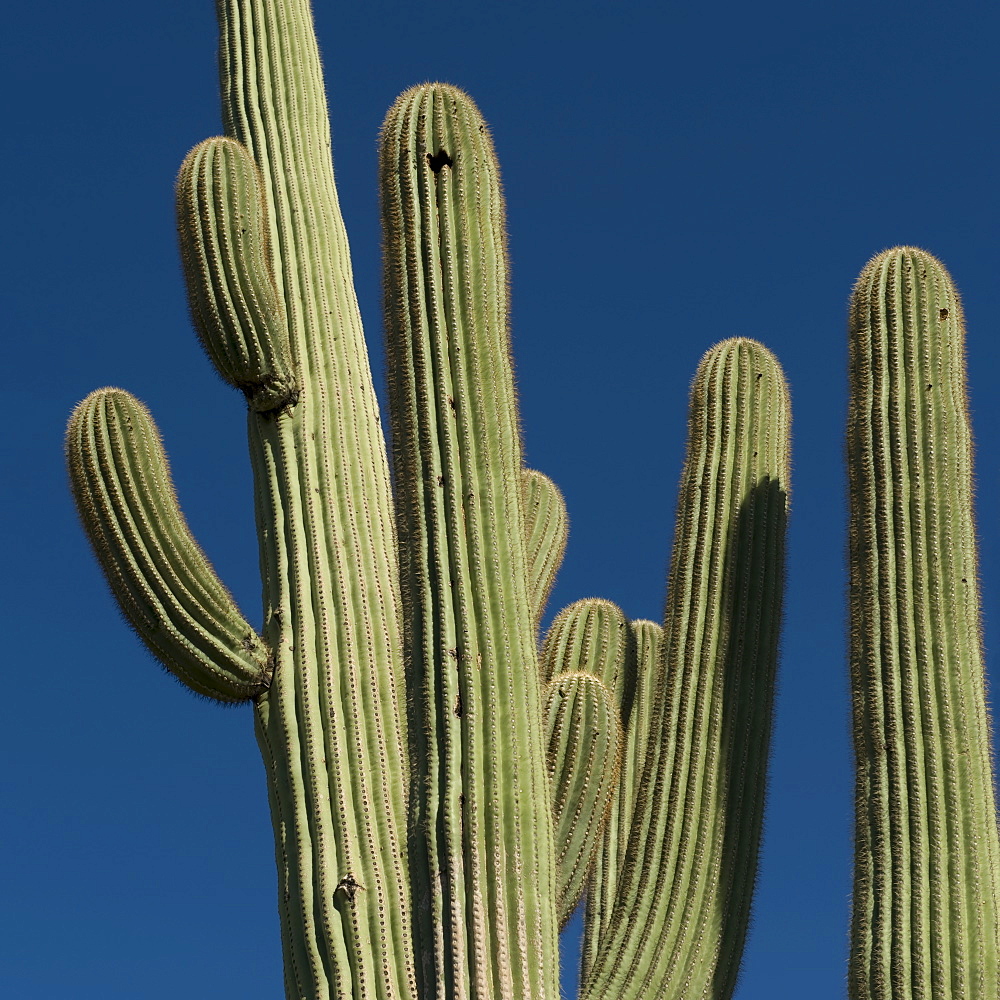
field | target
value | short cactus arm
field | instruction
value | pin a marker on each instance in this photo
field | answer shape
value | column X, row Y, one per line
column 225, row 243
column 546, row 526
column 485, row 878
column 643, row 682
column 926, row 907
column 682, row 907
column 589, row 638
column 165, row 585
column 584, row 737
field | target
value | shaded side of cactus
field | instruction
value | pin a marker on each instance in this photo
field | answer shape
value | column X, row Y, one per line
column 684, row 878
column 925, row 910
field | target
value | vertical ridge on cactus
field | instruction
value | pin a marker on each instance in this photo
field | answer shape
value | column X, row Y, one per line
column 925, row 912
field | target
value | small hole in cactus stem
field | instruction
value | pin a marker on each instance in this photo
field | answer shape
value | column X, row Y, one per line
column 438, row 160
column 942, row 314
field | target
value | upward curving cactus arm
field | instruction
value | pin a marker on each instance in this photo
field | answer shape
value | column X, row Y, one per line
column 584, row 737
column 682, row 906
column 164, row 584
column 225, row 249
column 642, row 683
column 546, row 529
column 483, row 871
column 926, row 909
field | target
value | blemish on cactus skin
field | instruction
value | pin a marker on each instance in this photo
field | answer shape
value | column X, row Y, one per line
column 438, row 160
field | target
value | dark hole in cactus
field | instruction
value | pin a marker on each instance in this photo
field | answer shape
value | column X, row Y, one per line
column 438, row 160
column 350, row 885
column 458, row 706
column 942, row 314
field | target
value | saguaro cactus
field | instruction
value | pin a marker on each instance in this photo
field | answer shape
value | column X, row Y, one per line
column 442, row 790
column 927, row 870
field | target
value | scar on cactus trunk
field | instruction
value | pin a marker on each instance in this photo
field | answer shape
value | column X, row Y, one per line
column 442, row 790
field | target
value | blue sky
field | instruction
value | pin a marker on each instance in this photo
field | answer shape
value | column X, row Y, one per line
column 674, row 176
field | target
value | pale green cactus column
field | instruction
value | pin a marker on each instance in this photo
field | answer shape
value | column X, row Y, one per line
column 270, row 284
column 927, row 867
column 483, row 871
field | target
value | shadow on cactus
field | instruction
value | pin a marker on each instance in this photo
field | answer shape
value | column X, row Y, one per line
column 443, row 790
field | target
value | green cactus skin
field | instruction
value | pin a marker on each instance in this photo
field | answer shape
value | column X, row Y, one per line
column 591, row 637
column 225, row 250
column 436, row 808
column 683, row 893
column 162, row 579
column 546, row 529
column 584, row 737
column 925, row 921
column 642, row 682
column 483, row 869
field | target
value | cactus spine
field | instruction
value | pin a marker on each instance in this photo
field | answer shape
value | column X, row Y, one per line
column 441, row 790
column 925, row 918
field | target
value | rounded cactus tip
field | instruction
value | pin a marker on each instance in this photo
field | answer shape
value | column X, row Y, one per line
column 745, row 347
column 426, row 97
column 914, row 255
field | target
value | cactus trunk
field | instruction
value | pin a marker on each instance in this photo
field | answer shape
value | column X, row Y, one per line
column 925, row 919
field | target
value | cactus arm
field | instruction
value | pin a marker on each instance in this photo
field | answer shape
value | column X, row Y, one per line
column 484, row 829
column 164, row 584
column 584, row 737
column 925, row 917
column 644, row 678
column 682, row 907
column 590, row 635
column 331, row 729
column 225, row 249
column 546, row 530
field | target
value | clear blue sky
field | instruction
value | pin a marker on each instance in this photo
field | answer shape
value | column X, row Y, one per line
column 675, row 174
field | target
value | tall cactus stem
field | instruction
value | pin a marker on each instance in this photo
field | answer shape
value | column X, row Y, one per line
column 682, row 908
column 925, row 919
column 483, row 870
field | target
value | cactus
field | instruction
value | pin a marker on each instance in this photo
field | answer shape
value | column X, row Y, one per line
column 442, row 789
column 926, row 921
